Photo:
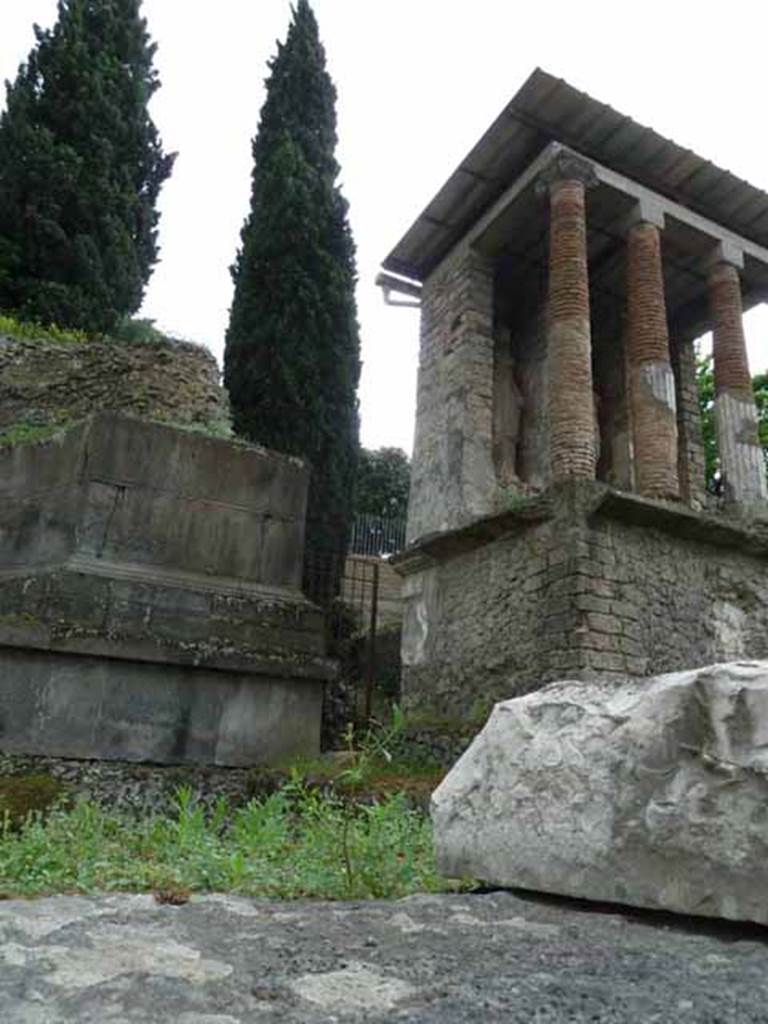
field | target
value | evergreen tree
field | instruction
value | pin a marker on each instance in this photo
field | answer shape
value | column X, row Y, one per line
column 81, row 167
column 291, row 360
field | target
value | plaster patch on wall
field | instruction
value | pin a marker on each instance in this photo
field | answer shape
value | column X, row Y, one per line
column 419, row 593
column 741, row 456
column 729, row 622
column 659, row 379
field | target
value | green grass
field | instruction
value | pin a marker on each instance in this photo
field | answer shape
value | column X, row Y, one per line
column 294, row 843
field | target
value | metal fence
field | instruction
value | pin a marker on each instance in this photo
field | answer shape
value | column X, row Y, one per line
column 377, row 535
column 347, row 588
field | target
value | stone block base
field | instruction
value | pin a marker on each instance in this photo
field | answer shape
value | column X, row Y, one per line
column 583, row 582
column 68, row 705
column 150, row 607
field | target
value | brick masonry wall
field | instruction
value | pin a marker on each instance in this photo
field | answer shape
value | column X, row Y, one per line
column 44, row 383
column 453, row 478
column 575, row 597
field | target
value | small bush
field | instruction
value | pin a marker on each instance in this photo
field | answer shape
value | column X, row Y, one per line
column 133, row 330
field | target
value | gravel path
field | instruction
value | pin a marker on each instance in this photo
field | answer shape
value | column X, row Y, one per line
column 492, row 957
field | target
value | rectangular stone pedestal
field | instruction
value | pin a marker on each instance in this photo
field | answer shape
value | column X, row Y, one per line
column 149, row 599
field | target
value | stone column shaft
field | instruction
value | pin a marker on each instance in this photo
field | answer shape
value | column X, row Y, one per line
column 652, row 382
column 570, row 402
column 736, row 422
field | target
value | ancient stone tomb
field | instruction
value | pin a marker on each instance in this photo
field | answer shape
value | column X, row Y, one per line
column 150, row 601
column 559, row 524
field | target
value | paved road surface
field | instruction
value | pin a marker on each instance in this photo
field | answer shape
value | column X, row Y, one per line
column 446, row 959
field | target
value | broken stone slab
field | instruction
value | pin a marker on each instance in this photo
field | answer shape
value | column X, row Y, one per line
column 652, row 792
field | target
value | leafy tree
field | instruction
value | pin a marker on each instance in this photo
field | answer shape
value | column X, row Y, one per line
column 706, row 383
column 291, row 360
column 81, row 167
column 383, row 482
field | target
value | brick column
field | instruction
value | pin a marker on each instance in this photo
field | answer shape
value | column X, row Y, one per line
column 741, row 457
column 569, row 348
column 651, row 380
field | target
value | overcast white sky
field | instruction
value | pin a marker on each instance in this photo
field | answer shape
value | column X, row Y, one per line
column 418, row 81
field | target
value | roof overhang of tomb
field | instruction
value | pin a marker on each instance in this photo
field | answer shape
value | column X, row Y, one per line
column 703, row 206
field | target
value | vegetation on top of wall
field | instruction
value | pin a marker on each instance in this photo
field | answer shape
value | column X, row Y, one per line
column 130, row 331
column 142, row 331
column 51, row 380
column 30, row 330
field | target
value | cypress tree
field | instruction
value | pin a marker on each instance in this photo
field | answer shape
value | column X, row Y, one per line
column 291, row 360
column 81, row 167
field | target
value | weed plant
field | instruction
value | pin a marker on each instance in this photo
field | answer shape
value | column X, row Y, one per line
column 28, row 330
column 295, row 843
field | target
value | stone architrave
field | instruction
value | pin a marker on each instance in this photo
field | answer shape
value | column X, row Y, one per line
column 651, row 380
column 741, row 457
column 653, row 792
column 569, row 346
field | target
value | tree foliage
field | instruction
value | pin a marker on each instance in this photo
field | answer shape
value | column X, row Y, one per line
column 291, row 360
column 81, row 167
column 383, row 482
column 706, row 385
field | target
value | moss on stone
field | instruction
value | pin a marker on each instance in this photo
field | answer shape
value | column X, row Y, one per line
column 22, row 795
column 25, row 432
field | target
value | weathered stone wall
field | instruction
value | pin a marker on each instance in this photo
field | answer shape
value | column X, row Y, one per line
column 453, row 478
column 607, row 586
column 46, row 383
column 474, row 623
column 120, row 490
